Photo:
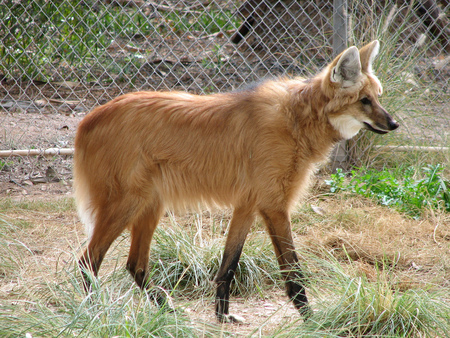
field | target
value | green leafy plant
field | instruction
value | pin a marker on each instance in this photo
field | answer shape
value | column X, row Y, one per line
column 401, row 189
column 208, row 22
column 37, row 35
column 61, row 32
column 5, row 164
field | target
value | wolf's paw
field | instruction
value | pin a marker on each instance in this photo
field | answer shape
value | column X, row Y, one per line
column 306, row 312
column 235, row 319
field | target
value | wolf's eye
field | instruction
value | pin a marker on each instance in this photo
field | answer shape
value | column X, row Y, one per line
column 366, row 101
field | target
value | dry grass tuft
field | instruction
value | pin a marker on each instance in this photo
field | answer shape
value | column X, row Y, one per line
column 356, row 229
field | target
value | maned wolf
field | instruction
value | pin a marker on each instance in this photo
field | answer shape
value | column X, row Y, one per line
column 253, row 150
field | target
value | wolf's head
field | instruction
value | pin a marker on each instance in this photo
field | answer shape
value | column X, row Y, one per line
column 353, row 90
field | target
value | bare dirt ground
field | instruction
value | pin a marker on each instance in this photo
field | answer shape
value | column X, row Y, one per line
column 420, row 249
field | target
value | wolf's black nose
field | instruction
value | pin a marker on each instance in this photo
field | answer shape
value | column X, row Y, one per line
column 393, row 125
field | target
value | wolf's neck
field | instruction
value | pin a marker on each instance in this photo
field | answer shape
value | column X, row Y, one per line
column 312, row 129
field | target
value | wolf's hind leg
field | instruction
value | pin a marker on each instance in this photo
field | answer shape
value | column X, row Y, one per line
column 141, row 235
column 137, row 264
column 108, row 226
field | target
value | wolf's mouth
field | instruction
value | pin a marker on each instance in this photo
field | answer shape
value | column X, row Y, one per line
column 378, row 131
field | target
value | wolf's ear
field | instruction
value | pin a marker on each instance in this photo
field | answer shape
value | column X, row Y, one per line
column 347, row 69
column 368, row 54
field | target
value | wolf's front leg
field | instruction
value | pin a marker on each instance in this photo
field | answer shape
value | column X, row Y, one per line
column 279, row 228
column 237, row 233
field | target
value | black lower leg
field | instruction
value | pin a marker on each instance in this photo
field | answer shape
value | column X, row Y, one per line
column 238, row 229
column 222, row 300
column 279, row 227
column 296, row 292
column 223, row 287
column 87, row 285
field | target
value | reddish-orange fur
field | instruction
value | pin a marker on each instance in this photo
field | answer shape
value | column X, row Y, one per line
column 252, row 150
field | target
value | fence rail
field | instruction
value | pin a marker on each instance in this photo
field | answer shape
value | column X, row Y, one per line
column 59, row 59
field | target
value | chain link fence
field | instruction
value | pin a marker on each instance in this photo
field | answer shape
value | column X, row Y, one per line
column 59, row 59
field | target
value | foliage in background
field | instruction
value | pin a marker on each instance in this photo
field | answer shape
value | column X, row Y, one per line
column 407, row 189
column 38, row 35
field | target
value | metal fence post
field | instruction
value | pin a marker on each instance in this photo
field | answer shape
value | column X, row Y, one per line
column 339, row 26
column 339, row 156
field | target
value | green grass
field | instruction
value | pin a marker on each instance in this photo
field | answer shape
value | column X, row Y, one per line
column 37, row 205
column 407, row 189
column 4, row 164
column 60, row 32
column 55, row 304
column 12, row 250
column 208, row 22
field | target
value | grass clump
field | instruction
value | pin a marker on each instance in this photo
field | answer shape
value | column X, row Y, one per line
column 62, row 309
column 368, row 309
column 54, row 303
column 409, row 190
column 348, row 304
column 186, row 264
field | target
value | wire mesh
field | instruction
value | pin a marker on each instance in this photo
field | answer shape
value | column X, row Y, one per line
column 59, row 59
